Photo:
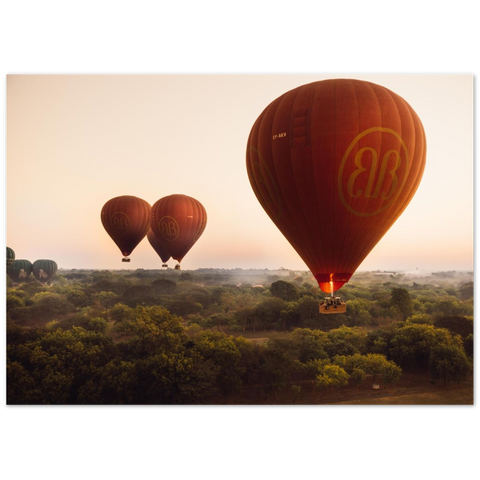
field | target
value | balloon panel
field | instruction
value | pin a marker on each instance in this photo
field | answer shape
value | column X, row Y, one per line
column 334, row 164
column 158, row 246
column 127, row 220
column 19, row 270
column 44, row 270
column 178, row 221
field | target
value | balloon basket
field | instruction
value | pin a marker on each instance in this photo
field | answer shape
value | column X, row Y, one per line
column 331, row 305
column 177, row 266
column 125, row 259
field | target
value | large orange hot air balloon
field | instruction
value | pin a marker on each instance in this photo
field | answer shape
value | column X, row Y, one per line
column 160, row 248
column 334, row 163
column 177, row 222
column 127, row 220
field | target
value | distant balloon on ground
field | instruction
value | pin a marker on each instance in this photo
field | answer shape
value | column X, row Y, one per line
column 19, row 270
column 44, row 270
column 178, row 221
column 127, row 220
column 10, row 256
column 334, row 163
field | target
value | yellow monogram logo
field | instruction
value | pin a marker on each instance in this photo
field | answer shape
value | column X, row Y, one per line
column 120, row 222
column 370, row 179
column 169, row 228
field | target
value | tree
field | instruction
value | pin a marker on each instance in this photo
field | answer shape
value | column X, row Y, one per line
column 163, row 285
column 284, row 290
column 138, row 295
column 332, row 376
column 411, row 344
column 420, row 318
column 77, row 297
column 449, row 363
column 268, row 312
column 59, row 363
column 114, row 384
column 181, row 377
column 153, row 330
column 346, row 341
column 372, row 364
column 468, row 345
column 223, row 352
column 278, row 365
column 456, row 324
column 14, row 301
column 401, row 301
column 449, row 306
column 358, row 376
column 307, row 310
column 310, row 344
column 358, row 312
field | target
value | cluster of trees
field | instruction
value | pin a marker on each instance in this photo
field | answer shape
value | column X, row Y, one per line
column 172, row 338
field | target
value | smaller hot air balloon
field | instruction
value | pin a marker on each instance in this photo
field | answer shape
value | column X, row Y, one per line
column 158, row 247
column 127, row 220
column 178, row 221
column 44, row 270
column 10, row 256
column 19, row 270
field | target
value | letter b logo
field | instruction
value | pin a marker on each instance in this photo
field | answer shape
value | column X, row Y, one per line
column 168, row 227
column 373, row 171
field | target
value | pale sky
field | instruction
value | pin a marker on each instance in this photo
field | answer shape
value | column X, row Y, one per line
column 75, row 141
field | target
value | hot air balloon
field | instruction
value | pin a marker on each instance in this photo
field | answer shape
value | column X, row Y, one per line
column 178, row 221
column 10, row 256
column 44, row 270
column 19, row 270
column 158, row 247
column 334, row 163
column 127, row 220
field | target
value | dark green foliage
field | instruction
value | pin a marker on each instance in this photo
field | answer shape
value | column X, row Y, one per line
column 449, row 363
column 163, row 285
column 163, row 337
column 401, row 301
column 456, row 324
column 284, row 290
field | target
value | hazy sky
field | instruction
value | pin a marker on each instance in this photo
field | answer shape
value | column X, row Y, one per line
column 75, row 141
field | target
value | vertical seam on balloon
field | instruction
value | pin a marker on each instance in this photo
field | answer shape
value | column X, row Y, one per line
column 416, row 182
column 321, row 257
column 196, row 216
column 334, row 175
column 347, row 260
column 305, row 242
column 394, row 210
column 360, row 252
column 286, row 204
column 253, row 177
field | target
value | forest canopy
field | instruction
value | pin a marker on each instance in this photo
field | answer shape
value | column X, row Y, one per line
column 229, row 336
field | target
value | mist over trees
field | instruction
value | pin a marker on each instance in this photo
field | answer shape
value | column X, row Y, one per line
column 229, row 336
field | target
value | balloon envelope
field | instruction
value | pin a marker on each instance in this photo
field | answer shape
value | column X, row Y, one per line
column 157, row 245
column 10, row 256
column 44, row 270
column 127, row 220
column 19, row 270
column 178, row 221
column 334, row 164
